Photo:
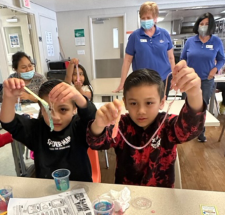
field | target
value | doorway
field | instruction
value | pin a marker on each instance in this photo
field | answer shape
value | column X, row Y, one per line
column 107, row 45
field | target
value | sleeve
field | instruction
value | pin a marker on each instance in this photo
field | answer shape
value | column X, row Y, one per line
column 220, row 58
column 85, row 88
column 187, row 125
column 22, row 129
column 43, row 79
column 184, row 52
column 105, row 140
column 170, row 44
column 130, row 45
column 86, row 114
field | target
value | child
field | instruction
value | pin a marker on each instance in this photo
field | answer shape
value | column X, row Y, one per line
column 82, row 85
column 143, row 97
column 66, row 146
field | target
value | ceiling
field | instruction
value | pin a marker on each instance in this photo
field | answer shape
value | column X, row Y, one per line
column 187, row 15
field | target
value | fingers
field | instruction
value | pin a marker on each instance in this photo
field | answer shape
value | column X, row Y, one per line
column 184, row 77
column 62, row 92
column 14, row 84
column 108, row 113
column 74, row 61
column 179, row 66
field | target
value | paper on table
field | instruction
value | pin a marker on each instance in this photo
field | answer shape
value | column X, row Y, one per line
column 71, row 202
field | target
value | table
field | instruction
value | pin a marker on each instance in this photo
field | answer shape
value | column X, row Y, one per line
column 175, row 109
column 218, row 78
column 165, row 201
column 105, row 86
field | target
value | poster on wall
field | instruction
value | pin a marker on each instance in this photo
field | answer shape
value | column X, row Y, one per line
column 26, row 3
column 79, row 37
column 14, row 40
column 50, row 50
column 48, row 36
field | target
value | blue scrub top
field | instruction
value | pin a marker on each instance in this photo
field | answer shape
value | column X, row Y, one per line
column 202, row 56
column 150, row 52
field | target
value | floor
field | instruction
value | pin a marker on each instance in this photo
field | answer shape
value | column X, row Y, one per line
column 202, row 164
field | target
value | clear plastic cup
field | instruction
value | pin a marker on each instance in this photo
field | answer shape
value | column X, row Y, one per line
column 103, row 206
column 61, row 177
column 6, row 194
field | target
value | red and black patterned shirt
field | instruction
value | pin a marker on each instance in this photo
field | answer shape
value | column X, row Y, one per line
column 153, row 165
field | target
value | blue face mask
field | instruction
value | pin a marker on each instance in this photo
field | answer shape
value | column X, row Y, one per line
column 27, row 75
column 147, row 24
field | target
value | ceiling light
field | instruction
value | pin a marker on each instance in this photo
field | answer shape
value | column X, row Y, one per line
column 223, row 11
column 162, row 11
column 12, row 20
column 216, row 17
column 160, row 19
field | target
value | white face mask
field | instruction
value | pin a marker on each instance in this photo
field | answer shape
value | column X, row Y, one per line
column 202, row 30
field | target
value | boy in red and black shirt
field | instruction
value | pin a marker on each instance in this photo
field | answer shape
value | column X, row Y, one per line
column 143, row 98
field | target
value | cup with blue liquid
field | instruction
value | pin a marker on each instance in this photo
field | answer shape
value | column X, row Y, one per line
column 103, row 206
column 61, row 177
column 5, row 194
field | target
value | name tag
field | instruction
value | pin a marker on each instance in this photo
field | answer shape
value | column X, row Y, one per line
column 209, row 46
column 143, row 40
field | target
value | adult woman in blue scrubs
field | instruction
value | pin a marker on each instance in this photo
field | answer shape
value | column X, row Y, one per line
column 149, row 47
column 205, row 53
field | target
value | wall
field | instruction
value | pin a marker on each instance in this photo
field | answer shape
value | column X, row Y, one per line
column 165, row 25
column 37, row 11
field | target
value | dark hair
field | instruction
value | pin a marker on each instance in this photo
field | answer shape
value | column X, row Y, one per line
column 86, row 80
column 17, row 57
column 144, row 77
column 211, row 26
column 47, row 86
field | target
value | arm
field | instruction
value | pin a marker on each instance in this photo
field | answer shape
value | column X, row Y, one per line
column 185, row 79
column 125, row 68
column 64, row 91
column 220, row 60
column 70, row 69
column 12, row 88
column 79, row 87
column 171, row 58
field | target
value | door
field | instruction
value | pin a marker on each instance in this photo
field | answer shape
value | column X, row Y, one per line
column 108, row 46
column 49, row 41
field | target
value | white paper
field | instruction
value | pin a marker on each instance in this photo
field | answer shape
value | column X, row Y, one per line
column 50, row 50
column 80, row 41
column 80, row 52
column 48, row 36
column 74, row 202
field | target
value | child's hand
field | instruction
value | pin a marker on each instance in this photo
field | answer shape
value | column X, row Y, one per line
column 74, row 61
column 186, row 79
column 106, row 115
column 25, row 96
column 78, row 85
column 13, row 87
column 63, row 92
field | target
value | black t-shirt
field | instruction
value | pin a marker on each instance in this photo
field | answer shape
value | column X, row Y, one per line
column 55, row 150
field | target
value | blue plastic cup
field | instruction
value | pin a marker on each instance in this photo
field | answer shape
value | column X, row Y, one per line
column 61, row 177
column 103, row 206
column 6, row 193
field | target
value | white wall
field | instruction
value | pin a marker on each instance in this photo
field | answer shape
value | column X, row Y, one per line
column 37, row 11
column 165, row 25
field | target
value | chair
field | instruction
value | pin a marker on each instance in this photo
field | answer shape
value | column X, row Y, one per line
column 94, row 159
column 218, row 111
column 178, row 183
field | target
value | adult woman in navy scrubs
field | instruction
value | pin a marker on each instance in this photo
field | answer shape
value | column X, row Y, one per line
column 205, row 53
column 149, row 47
